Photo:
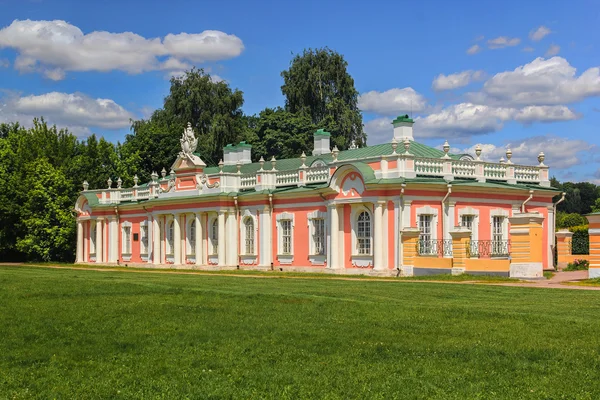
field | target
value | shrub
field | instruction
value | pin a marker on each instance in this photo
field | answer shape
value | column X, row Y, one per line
column 568, row 220
column 578, row 265
column 581, row 240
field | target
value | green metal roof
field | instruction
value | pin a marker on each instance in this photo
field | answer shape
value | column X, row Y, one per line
column 403, row 118
column 322, row 132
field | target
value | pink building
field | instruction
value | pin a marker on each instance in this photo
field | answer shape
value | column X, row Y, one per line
column 335, row 211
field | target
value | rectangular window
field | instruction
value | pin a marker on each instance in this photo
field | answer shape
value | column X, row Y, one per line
column 126, row 240
column 498, row 236
column 144, row 241
column 467, row 221
column 425, row 240
column 214, row 236
column 286, row 236
column 319, row 236
column 249, row 224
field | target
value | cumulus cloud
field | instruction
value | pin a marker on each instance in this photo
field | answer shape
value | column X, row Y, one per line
column 560, row 152
column 392, row 102
column 541, row 82
column 454, row 81
column 58, row 46
column 528, row 49
column 503, row 41
column 468, row 119
column 474, row 49
column 553, row 50
column 75, row 111
column 538, row 34
column 379, row 130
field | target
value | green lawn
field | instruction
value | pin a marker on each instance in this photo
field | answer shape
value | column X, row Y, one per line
column 90, row 334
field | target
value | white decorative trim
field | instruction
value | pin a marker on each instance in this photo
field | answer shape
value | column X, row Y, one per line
column 126, row 256
column 594, row 231
column 311, row 217
column 317, row 259
column 247, row 259
column 474, row 212
column 284, row 258
column 244, row 217
column 190, row 247
column 213, row 219
column 434, row 212
column 355, row 211
column 499, row 212
column 362, row 261
column 145, row 255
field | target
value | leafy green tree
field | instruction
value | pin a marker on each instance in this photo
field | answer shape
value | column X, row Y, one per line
column 281, row 134
column 213, row 109
column 46, row 216
column 565, row 220
column 596, row 206
column 318, row 85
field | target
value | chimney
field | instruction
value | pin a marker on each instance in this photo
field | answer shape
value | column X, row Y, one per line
column 403, row 128
column 241, row 153
column 322, row 139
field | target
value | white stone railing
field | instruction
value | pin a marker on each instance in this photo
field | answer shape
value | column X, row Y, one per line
column 284, row 178
column 429, row 166
column 317, row 174
column 248, row 181
column 407, row 166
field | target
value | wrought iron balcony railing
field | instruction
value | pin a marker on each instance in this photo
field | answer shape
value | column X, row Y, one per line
column 488, row 248
column 437, row 247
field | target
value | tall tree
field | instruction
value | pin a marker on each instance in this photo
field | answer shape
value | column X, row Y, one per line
column 213, row 109
column 318, row 85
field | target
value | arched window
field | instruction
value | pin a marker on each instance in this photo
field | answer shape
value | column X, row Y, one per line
column 249, row 227
column 214, row 236
column 93, row 238
column 192, row 238
column 363, row 233
column 170, row 237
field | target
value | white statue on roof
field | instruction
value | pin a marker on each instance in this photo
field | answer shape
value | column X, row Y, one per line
column 188, row 142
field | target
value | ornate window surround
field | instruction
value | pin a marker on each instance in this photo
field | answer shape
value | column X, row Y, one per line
column 317, row 259
column 144, row 254
column 470, row 211
column 190, row 246
column 499, row 212
column 248, row 258
column 126, row 256
column 284, row 258
column 434, row 212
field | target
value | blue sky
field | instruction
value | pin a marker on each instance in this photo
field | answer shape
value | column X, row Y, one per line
column 518, row 74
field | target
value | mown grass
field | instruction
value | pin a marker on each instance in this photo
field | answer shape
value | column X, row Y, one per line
column 587, row 282
column 290, row 274
column 69, row 333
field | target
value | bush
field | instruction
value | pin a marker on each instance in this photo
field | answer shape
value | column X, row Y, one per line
column 581, row 240
column 578, row 265
column 566, row 220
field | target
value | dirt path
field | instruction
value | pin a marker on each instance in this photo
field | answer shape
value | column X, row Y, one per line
column 556, row 282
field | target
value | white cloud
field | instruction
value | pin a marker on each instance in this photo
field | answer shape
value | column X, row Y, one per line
column 538, row 34
column 462, row 120
column 392, row 102
column 560, row 152
column 379, row 130
column 474, row 49
column 528, row 49
column 59, row 46
column 502, row 41
column 545, row 114
column 75, row 111
column 455, row 81
column 468, row 119
column 553, row 50
column 541, row 82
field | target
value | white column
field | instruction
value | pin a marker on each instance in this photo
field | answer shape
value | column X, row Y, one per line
column 551, row 228
column 204, row 239
column 232, row 236
column 264, row 238
column 156, row 239
column 221, row 239
column 334, row 253
column 176, row 239
column 198, row 244
column 86, row 240
column 448, row 222
column 79, row 256
column 113, row 239
column 397, row 225
column 378, row 251
column 99, row 247
column 406, row 208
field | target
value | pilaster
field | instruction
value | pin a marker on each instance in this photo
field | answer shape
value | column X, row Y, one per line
column 221, row 239
column 199, row 239
column 156, row 236
column 378, row 244
column 79, row 256
column 526, row 250
column 176, row 239
column 99, row 237
column 594, row 231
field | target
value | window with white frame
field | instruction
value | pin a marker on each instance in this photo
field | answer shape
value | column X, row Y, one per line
column 126, row 248
column 170, row 237
column 144, row 238
column 317, row 233
column 285, row 225
column 469, row 218
column 363, row 233
column 499, row 232
column 249, row 235
column 467, row 221
column 93, row 237
column 214, row 236
column 191, row 238
column 318, row 236
column 426, row 238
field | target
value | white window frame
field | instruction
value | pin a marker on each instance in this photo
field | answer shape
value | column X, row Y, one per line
column 93, row 235
column 434, row 213
column 285, row 258
column 501, row 213
column 355, row 213
column 144, row 248
column 170, row 237
column 247, row 215
column 190, row 245
column 471, row 212
column 312, row 245
column 124, row 242
column 212, row 246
